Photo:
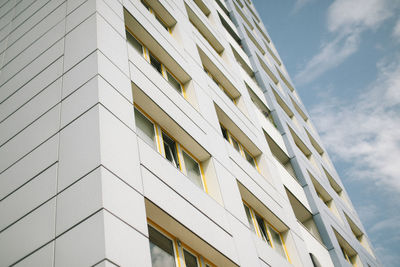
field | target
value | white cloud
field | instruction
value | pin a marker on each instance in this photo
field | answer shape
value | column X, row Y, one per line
column 346, row 15
column 299, row 4
column 366, row 132
column 346, row 20
column 331, row 55
column 396, row 31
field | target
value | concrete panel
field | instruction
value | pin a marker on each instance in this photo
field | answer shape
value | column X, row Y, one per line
column 79, row 156
column 31, row 70
column 80, row 74
column 44, row 257
column 80, row 14
column 119, row 152
column 123, row 201
column 88, row 236
column 30, row 89
column 28, row 234
column 79, row 101
column 112, row 45
column 80, row 42
column 177, row 207
column 124, row 245
column 31, row 111
column 178, row 182
column 79, row 201
column 32, row 16
column 37, row 191
column 29, row 166
column 31, row 137
column 245, row 247
column 115, row 76
column 38, row 39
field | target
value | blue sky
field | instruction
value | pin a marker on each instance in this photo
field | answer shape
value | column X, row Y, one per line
column 344, row 59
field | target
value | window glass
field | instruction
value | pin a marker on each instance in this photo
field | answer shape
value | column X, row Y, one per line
column 276, row 238
column 224, row 133
column 170, row 150
column 155, row 63
column 133, row 42
column 145, row 128
column 190, row 259
column 174, row 82
column 192, row 170
column 249, row 158
column 249, row 217
column 161, row 249
column 235, row 144
column 263, row 230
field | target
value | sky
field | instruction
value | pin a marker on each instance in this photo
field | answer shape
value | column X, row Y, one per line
column 343, row 57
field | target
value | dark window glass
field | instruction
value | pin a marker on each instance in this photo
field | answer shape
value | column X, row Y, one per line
column 263, row 230
column 190, row 259
column 133, row 42
column 161, row 249
column 249, row 158
column 174, row 82
column 170, row 150
column 249, row 217
column 155, row 63
column 224, row 133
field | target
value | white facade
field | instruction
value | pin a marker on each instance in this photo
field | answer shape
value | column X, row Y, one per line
column 100, row 151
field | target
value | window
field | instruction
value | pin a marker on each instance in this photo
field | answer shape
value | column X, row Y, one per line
column 161, row 249
column 220, row 86
column 169, row 148
column 155, row 62
column 145, row 128
column 190, row 259
column 164, row 251
column 266, row 231
column 157, row 17
column 239, row 147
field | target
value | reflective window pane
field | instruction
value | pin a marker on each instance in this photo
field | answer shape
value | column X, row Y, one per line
column 276, row 239
column 174, row 82
column 161, row 249
column 190, row 259
column 235, row 144
column 224, row 133
column 170, row 150
column 145, row 128
column 192, row 170
column 263, row 230
column 249, row 158
column 133, row 42
column 155, row 63
column 249, row 217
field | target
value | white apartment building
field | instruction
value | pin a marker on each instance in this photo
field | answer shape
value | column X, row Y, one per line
column 162, row 133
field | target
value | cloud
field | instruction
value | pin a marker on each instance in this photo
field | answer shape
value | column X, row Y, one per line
column 299, row 4
column 365, row 132
column 346, row 15
column 346, row 21
column 396, row 31
column 331, row 55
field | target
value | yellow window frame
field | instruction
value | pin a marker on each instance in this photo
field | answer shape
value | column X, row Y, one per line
column 267, row 225
column 179, row 148
column 241, row 147
column 170, row 237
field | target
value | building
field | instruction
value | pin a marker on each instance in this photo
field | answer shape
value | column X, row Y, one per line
column 166, row 131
